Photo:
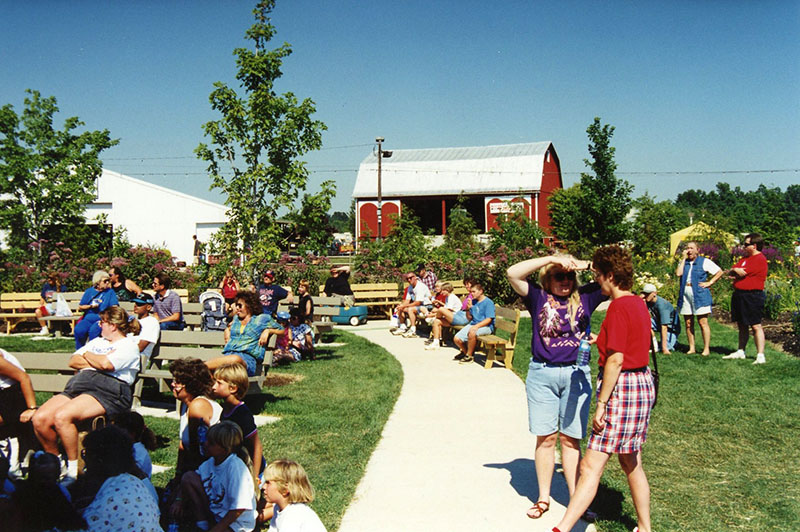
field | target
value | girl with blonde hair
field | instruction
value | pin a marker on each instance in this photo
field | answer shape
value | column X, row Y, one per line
column 558, row 387
column 286, row 485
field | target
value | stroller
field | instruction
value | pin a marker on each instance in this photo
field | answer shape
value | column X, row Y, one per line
column 213, row 314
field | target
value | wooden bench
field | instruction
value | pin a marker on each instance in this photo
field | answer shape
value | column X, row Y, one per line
column 204, row 345
column 18, row 307
column 324, row 309
column 379, row 298
column 506, row 320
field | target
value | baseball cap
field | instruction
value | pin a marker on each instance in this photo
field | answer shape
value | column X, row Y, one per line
column 649, row 288
column 270, row 274
column 283, row 315
column 143, row 299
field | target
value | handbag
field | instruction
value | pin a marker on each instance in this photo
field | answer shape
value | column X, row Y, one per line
column 654, row 373
column 62, row 307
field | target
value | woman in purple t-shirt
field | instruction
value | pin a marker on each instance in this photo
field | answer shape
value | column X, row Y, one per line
column 559, row 390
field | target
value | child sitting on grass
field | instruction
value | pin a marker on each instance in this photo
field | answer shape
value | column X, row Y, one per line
column 302, row 341
column 144, row 439
column 221, row 492
column 286, row 486
column 230, row 385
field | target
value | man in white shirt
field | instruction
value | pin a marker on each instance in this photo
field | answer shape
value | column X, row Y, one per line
column 151, row 331
column 416, row 303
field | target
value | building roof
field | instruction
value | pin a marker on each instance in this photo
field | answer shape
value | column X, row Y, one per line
column 503, row 169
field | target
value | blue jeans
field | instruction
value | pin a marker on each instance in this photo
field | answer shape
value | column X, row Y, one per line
column 84, row 330
column 172, row 325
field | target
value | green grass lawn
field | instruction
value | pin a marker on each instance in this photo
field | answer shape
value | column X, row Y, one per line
column 722, row 449
column 332, row 415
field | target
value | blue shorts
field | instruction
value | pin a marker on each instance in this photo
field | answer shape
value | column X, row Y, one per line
column 463, row 334
column 250, row 361
column 558, row 399
column 460, row 318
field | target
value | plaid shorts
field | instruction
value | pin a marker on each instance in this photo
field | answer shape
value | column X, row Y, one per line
column 627, row 414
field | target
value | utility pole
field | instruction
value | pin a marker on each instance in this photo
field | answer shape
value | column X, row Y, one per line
column 379, row 140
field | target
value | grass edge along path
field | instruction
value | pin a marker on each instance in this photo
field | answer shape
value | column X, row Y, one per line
column 331, row 419
column 721, row 452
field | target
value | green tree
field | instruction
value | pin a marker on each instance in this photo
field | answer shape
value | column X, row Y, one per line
column 47, row 176
column 340, row 221
column 654, row 223
column 256, row 145
column 605, row 199
column 461, row 228
column 311, row 223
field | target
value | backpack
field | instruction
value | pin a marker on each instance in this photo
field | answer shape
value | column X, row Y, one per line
column 213, row 314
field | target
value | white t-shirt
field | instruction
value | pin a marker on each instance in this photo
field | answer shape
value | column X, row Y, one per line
column 123, row 355
column 151, row 331
column 7, row 382
column 453, row 303
column 216, row 412
column 708, row 266
column 229, row 486
column 297, row 517
column 422, row 293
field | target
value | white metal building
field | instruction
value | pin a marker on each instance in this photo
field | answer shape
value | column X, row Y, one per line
column 152, row 214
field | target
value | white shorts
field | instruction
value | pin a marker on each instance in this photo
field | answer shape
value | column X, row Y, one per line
column 688, row 308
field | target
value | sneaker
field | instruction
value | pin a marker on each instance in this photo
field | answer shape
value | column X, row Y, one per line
column 735, row 355
column 466, row 360
column 429, row 341
column 459, row 356
column 432, row 346
column 760, row 359
column 411, row 333
column 45, row 331
column 399, row 331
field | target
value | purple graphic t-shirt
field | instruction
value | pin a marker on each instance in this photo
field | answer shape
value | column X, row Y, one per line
column 556, row 334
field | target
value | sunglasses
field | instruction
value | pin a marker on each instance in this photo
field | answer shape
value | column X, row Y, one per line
column 564, row 276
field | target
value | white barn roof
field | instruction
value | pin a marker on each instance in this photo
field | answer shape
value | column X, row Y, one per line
column 509, row 168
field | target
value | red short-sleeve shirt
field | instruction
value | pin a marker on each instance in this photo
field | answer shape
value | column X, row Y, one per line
column 755, row 268
column 626, row 329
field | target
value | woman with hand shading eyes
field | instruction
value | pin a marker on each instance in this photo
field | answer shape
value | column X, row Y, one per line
column 559, row 390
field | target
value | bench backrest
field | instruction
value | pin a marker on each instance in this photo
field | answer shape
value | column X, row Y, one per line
column 507, row 320
column 56, row 365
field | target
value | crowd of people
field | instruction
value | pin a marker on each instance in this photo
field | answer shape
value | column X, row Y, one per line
column 222, row 480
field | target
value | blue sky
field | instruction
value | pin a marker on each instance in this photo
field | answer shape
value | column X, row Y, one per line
column 690, row 86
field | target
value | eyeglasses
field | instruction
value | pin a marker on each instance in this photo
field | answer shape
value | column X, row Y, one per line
column 748, row 244
column 239, row 305
column 564, row 276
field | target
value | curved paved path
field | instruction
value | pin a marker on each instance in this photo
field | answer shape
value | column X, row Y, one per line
column 455, row 453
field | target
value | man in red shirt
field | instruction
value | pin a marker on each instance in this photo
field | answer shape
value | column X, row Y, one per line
column 747, row 302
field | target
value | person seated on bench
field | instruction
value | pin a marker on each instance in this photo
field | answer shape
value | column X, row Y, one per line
column 125, row 288
column 107, row 367
column 338, row 284
column 247, row 334
column 17, row 405
column 96, row 299
column 47, row 304
column 167, row 304
column 663, row 318
column 270, row 294
column 306, row 303
column 192, row 385
column 447, row 314
column 415, row 303
column 151, row 331
column 481, row 314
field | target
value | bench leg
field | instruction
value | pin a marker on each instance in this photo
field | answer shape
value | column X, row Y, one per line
column 491, row 352
column 508, row 359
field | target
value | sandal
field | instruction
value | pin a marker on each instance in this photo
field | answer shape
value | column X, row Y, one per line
column 538, row 509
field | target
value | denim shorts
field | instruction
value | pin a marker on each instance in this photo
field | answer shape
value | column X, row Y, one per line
column 463, row 334
column 558, row 399
column 249, row 361
column 460, row 318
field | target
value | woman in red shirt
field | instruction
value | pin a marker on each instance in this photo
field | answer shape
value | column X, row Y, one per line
column 625, row 390
column 747, row 302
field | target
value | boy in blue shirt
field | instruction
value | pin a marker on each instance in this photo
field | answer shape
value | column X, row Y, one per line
column 481, row 314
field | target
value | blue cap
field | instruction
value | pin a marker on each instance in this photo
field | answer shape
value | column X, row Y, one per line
column 283, row 315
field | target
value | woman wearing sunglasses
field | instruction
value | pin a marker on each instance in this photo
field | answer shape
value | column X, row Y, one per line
column 558, row 389
column 107, row 367
column 247, row 334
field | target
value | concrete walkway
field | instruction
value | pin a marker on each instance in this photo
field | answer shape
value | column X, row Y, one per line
column 455, row 454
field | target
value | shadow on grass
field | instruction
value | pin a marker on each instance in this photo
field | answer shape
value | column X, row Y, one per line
column 608, row 505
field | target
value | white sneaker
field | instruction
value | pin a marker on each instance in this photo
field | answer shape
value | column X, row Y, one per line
column 411, row 333
column 735, row 355
column 402, row 330
column 45, row 331
column 433, row 346
column 760, row 359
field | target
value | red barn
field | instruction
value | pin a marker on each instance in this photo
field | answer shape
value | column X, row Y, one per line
column 429, row 181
